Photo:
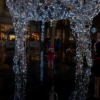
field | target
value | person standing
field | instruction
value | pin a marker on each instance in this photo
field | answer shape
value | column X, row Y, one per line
column 49, row 41
column 96, row 66
column 57, row 45
column 92, row 45
column 50, row 57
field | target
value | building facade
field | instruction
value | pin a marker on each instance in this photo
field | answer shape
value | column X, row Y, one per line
column 60, row 29
column 7, row 33
column 63, row 32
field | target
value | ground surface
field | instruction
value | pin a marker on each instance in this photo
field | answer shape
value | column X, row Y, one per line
column 40, row 83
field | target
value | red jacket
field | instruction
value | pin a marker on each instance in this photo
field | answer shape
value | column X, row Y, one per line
column 50, row 55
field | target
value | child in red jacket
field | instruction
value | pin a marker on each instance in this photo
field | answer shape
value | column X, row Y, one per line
column 50, row 57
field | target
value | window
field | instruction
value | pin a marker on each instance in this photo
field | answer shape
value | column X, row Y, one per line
column 71, row 38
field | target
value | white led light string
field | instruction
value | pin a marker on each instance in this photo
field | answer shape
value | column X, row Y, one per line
column 20, row 85
column 83, row 10
column 80, row 20
column 24, row 11
column 20, row 45
column 81, row 88
column 41, row 67
column 42, row 31
column 34, row 10
column 79, row 12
